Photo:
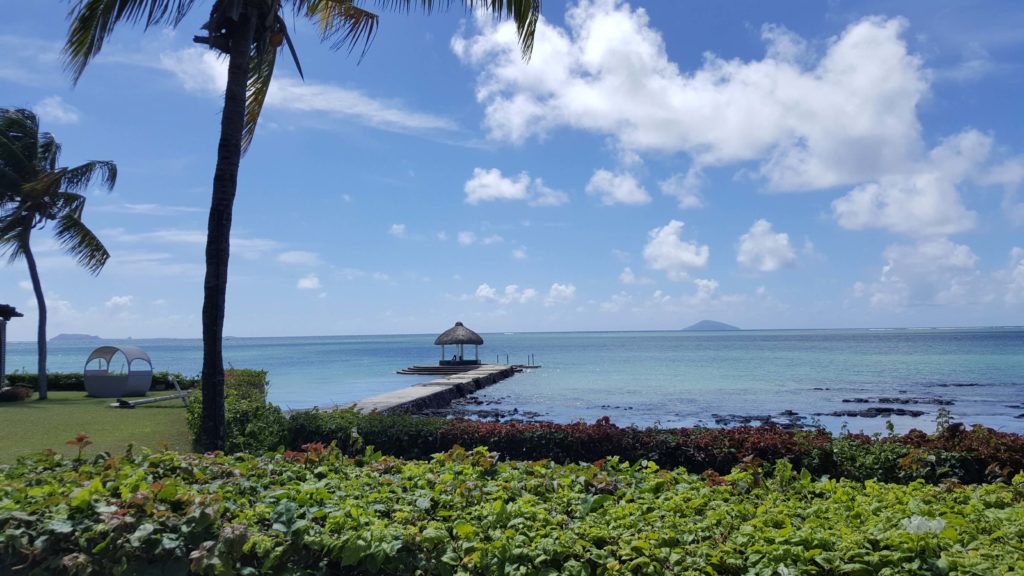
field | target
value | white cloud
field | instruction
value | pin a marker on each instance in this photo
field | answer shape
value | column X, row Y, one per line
column 512, row 294
column 309, row 282
column 54, row 109
column 1013, row 277
column 490, row 185
column 923, row 202
column 397, row 230
column 666, row 251
column 685, row 188
column 466, row 238
column 560, row 294
column 847, row 116
column 616, row 303
column 763, row 250
column 928, row 272
column 299, row 258
column 203, row 72
column 629, row 277
column 25, row 285
column 248, row 248
column 147, row 209
column 492, row 239
column 118, row 303
column 614, row 188
column 519, row 253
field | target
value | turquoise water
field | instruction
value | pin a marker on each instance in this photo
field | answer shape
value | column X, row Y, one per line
column 644, row 378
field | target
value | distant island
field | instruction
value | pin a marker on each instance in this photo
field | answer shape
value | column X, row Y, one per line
column 710, row 326
column 74, row 338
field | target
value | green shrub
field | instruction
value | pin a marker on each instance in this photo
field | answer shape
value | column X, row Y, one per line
column 465, row 512
column 400, row 435
column 253, row 425
column 75, row 382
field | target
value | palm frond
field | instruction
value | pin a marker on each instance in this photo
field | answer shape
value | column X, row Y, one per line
column 80, row 242
column 48, row 155
column 19, row 141
column 92, row 21
column 14, row 226
column 525, row 13
column 261, row 72
column 79, row 178
column 341, row 23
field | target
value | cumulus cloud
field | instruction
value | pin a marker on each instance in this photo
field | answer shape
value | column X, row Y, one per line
column 203, row 72
column 685, row 188
column 490, row 185
column 666, row 251
column 519, row 253
column 1013, row 277
column 811, row 121
column 512, row 294
column 299, row 258
column 927, row 272
column 397, row 230
column 763, row 250
column 629, row 277
column 309, row 282
column 924, row 201
column 466, row 238
column 118, row 303
column 54, row 109
column 612, row 188
column 560, row 294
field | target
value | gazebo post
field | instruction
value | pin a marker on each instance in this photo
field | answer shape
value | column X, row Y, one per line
column 442, row 351
column 6, row 313
column 476, row 352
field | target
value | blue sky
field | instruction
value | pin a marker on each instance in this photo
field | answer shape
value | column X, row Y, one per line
column 789, row 165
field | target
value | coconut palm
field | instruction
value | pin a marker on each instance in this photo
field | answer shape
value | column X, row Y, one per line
column 36, row 191
column 250, row 33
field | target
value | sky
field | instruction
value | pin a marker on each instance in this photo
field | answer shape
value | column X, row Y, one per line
column 798, row 164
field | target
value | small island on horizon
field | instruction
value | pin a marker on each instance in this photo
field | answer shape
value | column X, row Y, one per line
column 75, row 338
column 710, row 326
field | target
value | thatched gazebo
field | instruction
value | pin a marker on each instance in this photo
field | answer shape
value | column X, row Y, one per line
column 459, row 335
column 6, row 313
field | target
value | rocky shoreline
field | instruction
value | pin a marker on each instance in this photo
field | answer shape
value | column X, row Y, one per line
column 494, row 410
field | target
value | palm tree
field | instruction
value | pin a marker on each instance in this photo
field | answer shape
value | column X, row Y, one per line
column 34, row 191
column 249, row 33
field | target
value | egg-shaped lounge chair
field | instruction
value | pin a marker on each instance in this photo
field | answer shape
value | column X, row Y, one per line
column 101, row 383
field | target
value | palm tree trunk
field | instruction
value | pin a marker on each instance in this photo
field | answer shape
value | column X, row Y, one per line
column 218, row 247
column 37, row 287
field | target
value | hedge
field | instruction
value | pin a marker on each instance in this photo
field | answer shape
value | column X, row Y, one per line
column 74, row 381
column 466, row 513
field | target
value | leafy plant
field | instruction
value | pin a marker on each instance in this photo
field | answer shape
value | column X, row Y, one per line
column 469, row 512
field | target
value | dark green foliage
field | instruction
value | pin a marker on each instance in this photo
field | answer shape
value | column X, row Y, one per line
column 468, row 513
column 73, row 382
column 969, row 456
column 253, row 424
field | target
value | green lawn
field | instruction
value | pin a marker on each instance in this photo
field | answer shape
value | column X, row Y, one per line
column 34, row 425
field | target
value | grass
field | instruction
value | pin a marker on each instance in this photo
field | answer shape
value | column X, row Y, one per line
column 34, row 425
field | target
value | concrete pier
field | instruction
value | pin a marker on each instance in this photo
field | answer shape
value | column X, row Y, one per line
column 437, row 393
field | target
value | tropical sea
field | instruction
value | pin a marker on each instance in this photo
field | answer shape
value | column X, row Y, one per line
column 649, row 378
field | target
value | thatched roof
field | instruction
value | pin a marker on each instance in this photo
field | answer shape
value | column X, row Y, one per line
column 458, row 334
column 7, row 312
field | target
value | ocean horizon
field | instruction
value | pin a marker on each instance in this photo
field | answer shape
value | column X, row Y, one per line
column 662, row 378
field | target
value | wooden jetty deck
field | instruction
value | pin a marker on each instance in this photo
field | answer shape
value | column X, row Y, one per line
column 437, row 393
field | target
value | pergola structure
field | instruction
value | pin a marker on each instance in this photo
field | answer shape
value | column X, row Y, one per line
column 459, row 335
column 6, row 313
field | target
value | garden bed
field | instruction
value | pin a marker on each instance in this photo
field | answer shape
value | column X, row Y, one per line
column 316, row 512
